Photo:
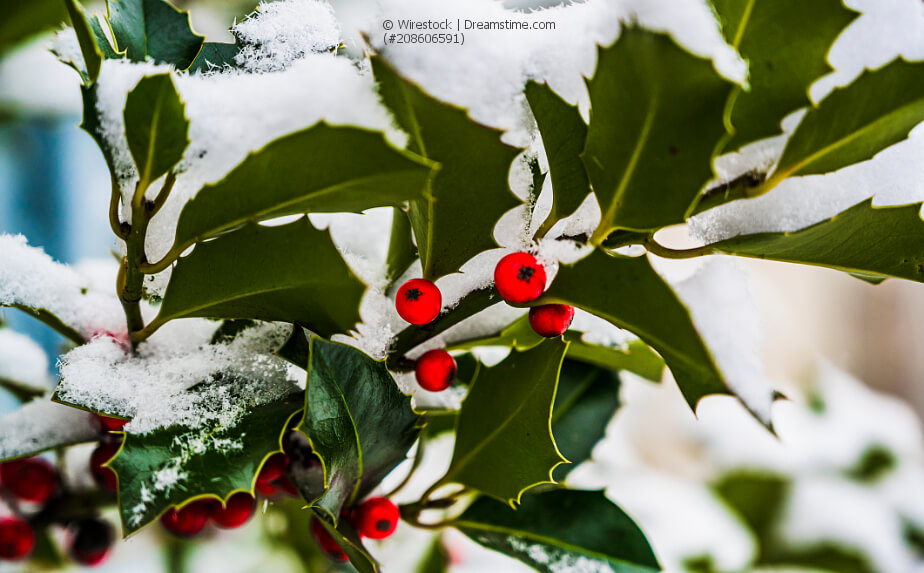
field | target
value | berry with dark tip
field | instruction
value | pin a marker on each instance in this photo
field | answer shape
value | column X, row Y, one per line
column 519, row 278
column 239, row 508
column 376, row 518
column 16, row 539
column 189, row 519
column 326, row 541
column 91, row 542
column 419, row 301
column 435, row 370
column 32, row 479
column 551, row 320
column 103, row 476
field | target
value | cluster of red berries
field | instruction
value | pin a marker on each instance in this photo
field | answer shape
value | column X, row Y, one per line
column 34, row 481
column 375, row 518
column 519, row 277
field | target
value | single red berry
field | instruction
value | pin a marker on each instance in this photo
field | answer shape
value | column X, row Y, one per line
column 32, row 480
column 376, row 518
column 235, row 513
column 551, row 320
column 419, row 301
column 16, row 538
column 435, row 370
column 189, row 519
column 267, row 489
column 519, row 277
column 112, row 424
column 103, row 476
column 326, row 541
column 91, row 542
column 274, row 467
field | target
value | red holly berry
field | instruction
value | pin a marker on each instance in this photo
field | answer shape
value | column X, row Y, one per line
column 92, row 539
column 103, row 476
column 274, row 467
column 519, row 278
column 326, row 541
column 112, row 424
column 551, row 320
column 419, row 301
column 267, row 489
column 189, row 519
column 236, row 511
column 32, row 480
column 16, row 538
column 435, row 370
column 376, row 518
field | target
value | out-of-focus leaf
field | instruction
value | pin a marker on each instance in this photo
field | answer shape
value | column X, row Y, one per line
column 25, row 19
column 24, row 432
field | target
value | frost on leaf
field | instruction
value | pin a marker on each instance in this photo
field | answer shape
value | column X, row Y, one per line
column 42, row 425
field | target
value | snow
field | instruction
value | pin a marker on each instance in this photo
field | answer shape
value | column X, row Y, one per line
column 31, row 278
column 32, row 82
column 22, row 360
column 154, row 388
column 41, row 425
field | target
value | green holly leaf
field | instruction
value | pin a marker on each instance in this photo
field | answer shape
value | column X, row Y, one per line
column 102, row 41
column 655, row 123
column 51, row 320
column 561, row 530
column 401, row 249
column 876, row 242
column 627, row 292
column 92, row 55
column 358, row 422
column 346, row 536
column 504, row 442
column 785, row 43
column 23, row 20
column 854, row 122
column 563, row 135
column 586, row 401
column 172, row 466
column 290, row 273
column 322, row 169
column 155, row 29
column 156, row 127
column 215, row 56
column 23, row 435
column 469, row 193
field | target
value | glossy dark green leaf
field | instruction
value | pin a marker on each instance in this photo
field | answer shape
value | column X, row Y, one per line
column 504, row 442
column 92, row 55
column 627, row 292
column 91, row 124
column 785, row 43
column 290, row 273
column 855, row 122
column 23, row 20
column 155, row 29
column 321, row 169
column 401, row 249
column 655, row 122
column 358, row 422
column 102, row 41
column 874, row 241
column 563, row 135
column 469, row 193
column 215, row 56
column 561, row 530
column 587, row 400
column 213, row 461
column 349, row 541
column 156, row 127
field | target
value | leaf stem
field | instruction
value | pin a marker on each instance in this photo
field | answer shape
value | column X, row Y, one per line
column 660, row 250
column 20, row 391
column 115, row 202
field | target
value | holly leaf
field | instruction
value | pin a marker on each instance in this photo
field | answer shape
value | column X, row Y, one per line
column 102, row 41
column 561, row 530
column 358, row 422
column 322, row 169
column 155, row 29
column 43, row 425
column 469, row 193
column 586, row 401
column 173, row 466
column 249, row 273
column 563, row 136
column 347, row 538
column 401, row 249
column 876, row 242
column 215, row 56
column 92, row 55
column 504, row 442
column 785, row 43
column 854, row 122
column 645, row 169
column 156, row 127
column 627, row 292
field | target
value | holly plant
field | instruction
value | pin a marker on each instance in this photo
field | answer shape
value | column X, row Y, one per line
column 267, row 389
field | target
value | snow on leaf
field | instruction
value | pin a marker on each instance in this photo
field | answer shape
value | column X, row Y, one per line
column 42, row 425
